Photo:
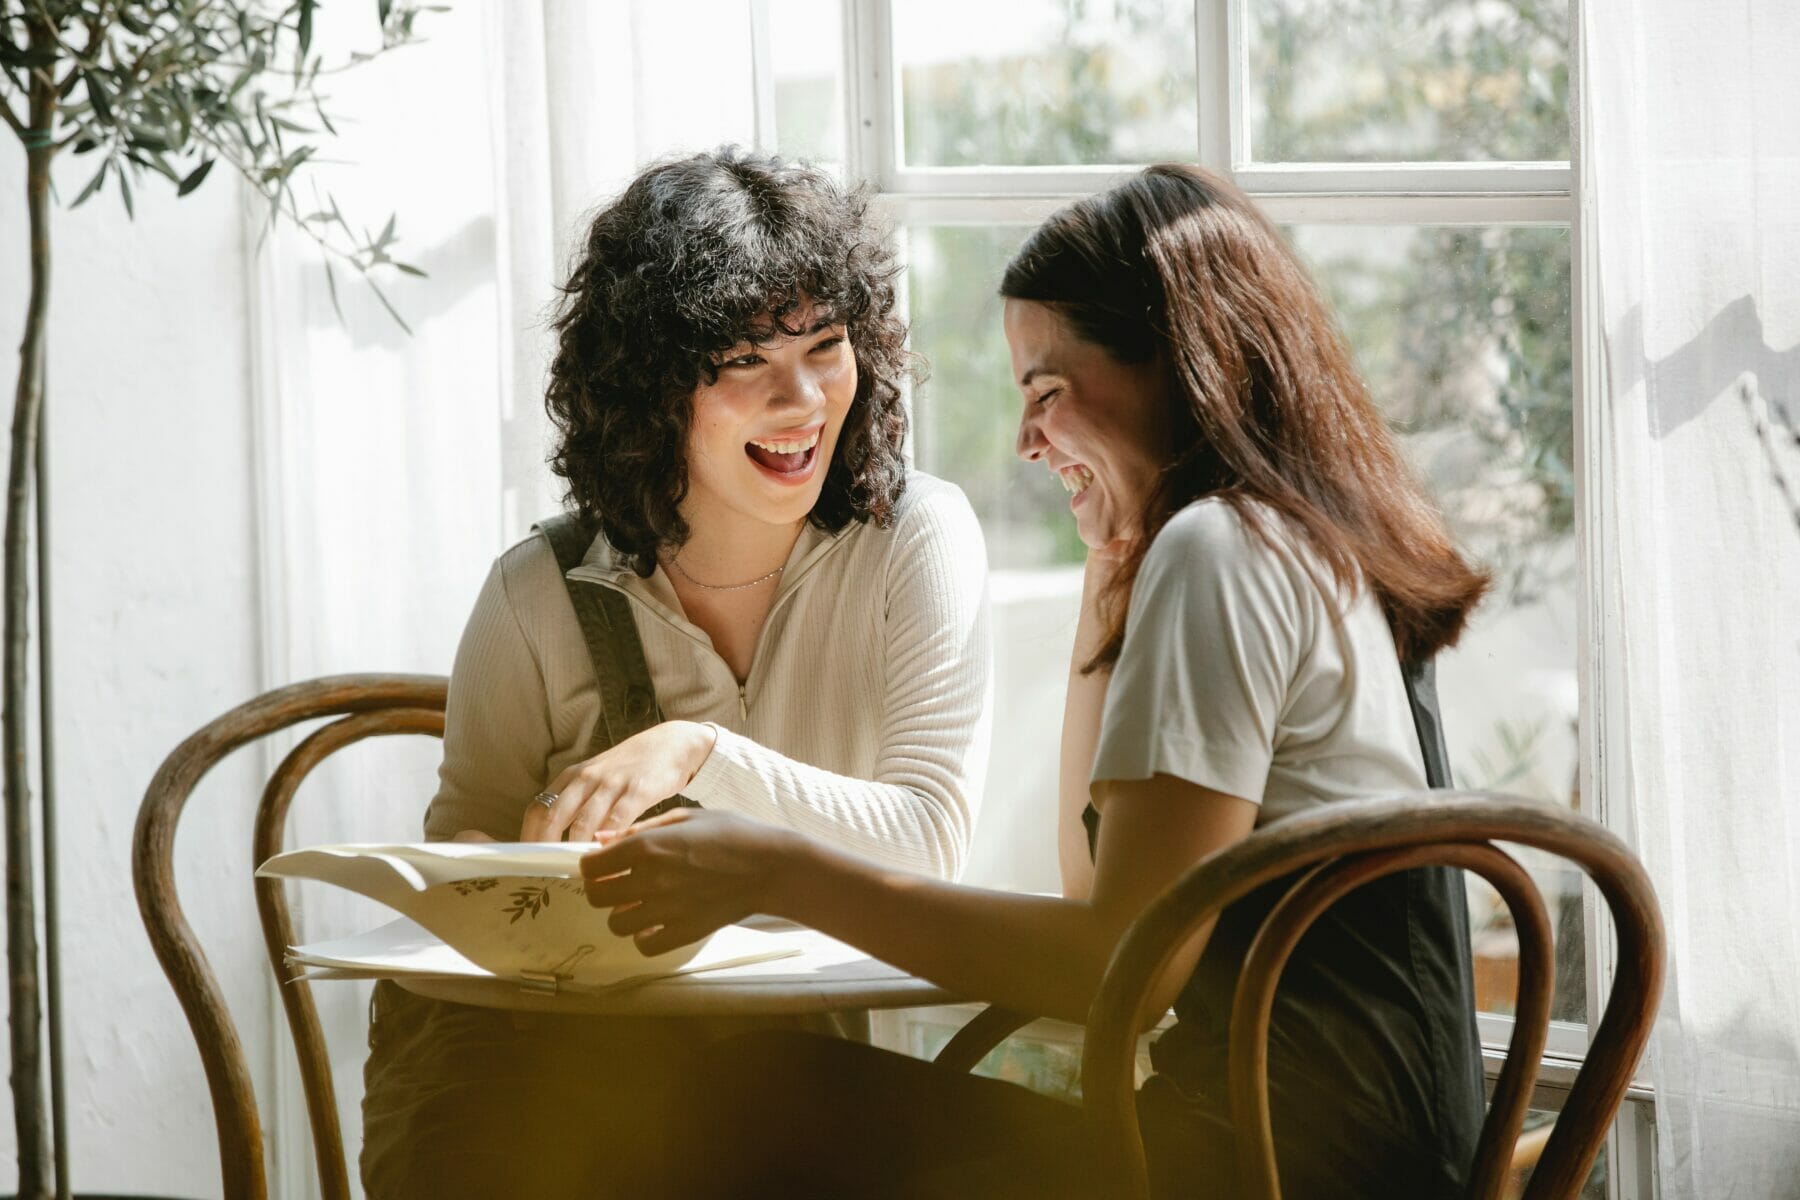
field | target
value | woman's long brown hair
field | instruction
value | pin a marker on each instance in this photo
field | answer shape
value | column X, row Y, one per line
column 1177, row 263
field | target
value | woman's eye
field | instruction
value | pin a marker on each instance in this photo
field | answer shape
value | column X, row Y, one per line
column 830, row 343
column 742, row 360
column 1046, row 397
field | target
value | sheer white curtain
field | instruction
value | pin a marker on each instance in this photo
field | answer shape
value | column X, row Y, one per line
column 1695, row 154
column 393, row 467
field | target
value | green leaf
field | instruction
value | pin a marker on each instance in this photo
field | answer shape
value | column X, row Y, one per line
column 288, row 164
column 125, row 194
column 387, row 233
column 26, row 56
column 93, row 185
column 97, row 96
column 303, row 30
column 195, row 178
column 331, row 289
column 391, row 310
column 383, row 8
column 408, row 268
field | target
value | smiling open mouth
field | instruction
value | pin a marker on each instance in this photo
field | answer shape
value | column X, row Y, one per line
column 788, row 456
column 1076, row 479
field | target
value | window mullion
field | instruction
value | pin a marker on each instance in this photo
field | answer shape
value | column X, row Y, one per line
column 869, row 93
column 1216, row 83
column 762, row 77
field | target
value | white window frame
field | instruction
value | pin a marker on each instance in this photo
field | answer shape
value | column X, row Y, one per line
column 1512, row 193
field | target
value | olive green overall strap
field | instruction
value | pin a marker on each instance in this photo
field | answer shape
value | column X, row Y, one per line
column 621, row 674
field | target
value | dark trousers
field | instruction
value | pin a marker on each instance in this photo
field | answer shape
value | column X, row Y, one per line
column 485, row 1103
column 468, row 1102
column 777, row 1114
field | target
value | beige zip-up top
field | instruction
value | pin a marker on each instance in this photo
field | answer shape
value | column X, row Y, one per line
column 864, row 721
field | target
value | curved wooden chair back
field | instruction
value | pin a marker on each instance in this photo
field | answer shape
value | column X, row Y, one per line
column 366, row 706
column 1341, row 847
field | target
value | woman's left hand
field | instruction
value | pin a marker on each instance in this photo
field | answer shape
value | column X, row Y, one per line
column 615, row 787
column 674, row 879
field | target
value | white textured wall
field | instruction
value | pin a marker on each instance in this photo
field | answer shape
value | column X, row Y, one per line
column 154, row 579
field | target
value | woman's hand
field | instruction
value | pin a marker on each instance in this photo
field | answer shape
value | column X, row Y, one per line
column 677, row 878
column 611, row 790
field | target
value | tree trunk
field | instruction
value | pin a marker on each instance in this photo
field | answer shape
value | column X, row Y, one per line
column 21, row 894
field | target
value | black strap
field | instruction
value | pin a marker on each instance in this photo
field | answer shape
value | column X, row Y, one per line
column 621, row 674
column 1422, row 699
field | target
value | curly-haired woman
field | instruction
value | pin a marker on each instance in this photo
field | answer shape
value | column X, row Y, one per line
column 727, row 392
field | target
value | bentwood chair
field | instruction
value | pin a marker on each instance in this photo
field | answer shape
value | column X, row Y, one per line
column 1333, row 850
column 365, row 706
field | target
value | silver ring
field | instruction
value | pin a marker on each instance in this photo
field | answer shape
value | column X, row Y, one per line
column 547, row 799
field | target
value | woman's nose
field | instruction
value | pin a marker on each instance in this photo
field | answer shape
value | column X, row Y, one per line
column 1030, row 444
column 800, row 387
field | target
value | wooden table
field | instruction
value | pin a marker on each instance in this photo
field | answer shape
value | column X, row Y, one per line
column 827, row 976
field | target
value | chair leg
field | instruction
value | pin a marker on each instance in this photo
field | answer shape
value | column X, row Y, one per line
column 972, row 1043
column 1526, row 1152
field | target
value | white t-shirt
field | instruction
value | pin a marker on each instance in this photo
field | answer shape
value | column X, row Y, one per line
column 1234, row 676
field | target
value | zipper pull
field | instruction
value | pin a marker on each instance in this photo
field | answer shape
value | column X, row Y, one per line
column 743, row 703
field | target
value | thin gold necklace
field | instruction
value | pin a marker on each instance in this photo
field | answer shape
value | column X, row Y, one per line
column 675, row 561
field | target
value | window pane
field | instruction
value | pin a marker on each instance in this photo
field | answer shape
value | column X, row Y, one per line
column 1464, row 337
column 967, row 411
column 805, row 50
column 1408, row 80
column 1044, row 82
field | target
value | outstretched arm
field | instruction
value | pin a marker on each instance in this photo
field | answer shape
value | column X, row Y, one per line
column 675, row 879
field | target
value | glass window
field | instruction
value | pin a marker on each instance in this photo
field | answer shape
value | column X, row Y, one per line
column 1407, row 80
column 1045, row 82
column 966, row 412
column 805, row 59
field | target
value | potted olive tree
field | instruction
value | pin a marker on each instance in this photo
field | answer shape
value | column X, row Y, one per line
column 138, row 90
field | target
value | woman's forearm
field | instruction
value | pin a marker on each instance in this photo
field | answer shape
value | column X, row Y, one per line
column 917, row 816
column 1082, row 708
column 1037, row 954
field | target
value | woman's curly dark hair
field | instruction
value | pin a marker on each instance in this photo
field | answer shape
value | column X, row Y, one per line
column 695, row 256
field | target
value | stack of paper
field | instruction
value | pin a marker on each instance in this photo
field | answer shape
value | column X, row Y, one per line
column 506, row 910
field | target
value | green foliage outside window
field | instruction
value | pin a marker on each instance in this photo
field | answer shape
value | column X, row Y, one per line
column 1462, row 332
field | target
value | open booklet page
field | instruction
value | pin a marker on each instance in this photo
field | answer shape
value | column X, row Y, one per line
column 506, row 909
column 404, row 947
